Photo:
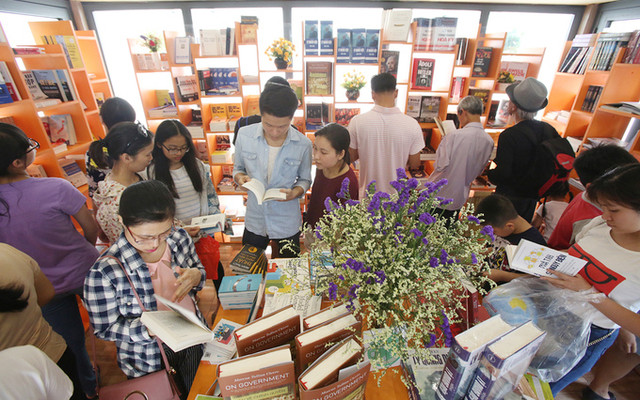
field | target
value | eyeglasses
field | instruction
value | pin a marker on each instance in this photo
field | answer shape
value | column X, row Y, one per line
column 33, row 145
column 176, row 150
column 148, row 240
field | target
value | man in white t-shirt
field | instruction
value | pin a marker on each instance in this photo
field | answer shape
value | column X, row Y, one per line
column 384, row 139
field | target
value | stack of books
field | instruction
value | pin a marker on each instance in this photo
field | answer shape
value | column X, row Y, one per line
column 249, row 260
column 239, row 291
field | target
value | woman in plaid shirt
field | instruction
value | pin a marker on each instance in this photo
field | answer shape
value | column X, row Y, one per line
column 158, row 259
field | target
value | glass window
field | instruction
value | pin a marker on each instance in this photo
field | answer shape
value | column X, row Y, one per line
column 467, row 24
column 114, row 28
column 524, row 32
column 16, row 28
column 628, row 25
column 270, row 23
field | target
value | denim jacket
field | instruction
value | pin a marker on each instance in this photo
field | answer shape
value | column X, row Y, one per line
column 274, row 219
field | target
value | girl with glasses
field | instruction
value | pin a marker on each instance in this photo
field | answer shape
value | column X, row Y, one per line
column 36, row 218
column 126, row 150
column 159, row 259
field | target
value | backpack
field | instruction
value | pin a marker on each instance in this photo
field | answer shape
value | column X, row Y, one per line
column 551, row 163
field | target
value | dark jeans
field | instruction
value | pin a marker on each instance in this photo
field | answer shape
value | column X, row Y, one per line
column 263, row 241
column 67, row 364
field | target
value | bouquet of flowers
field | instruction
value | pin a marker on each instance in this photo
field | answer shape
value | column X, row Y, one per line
column 398, row 265
column 354, row 80
column 281, row 49
column 152, row 42
column 506, row 77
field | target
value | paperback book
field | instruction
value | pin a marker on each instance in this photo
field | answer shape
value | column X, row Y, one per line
column 422, row 73
column 538, row 260
column 423, row 374
column 358, row 45
column 249, row 258
column 239, row 291
column 481, row 62
column 262, row 194
column 319, row 76
column 371, row 47
column 223, row 345
column 344, row 46
column 344, row 115
column 429, row 109
column 326, row 38
column 389, row 61
column 311, row 38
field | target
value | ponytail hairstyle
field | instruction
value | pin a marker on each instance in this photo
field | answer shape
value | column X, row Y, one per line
column 166, row 130
column 12, row 299
column 620, row 185
column 123, row 138
column 338, row 137
column 13, row 145
column 146, row 201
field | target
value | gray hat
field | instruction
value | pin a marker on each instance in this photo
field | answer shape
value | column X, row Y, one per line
column 529, row 95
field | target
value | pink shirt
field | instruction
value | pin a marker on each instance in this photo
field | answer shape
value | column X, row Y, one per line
column 384, row 138
column 164, row 281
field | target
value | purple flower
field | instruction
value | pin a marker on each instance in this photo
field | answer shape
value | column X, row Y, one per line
column 353, row 291
column 352, row 202
column 376, row 200
column 425, row 241
column 412, row 183
column 488, row 230
column 427, row 218
column 433, row 262
column 401, row 173
column 344, row 189
column 328, row 204
column 474, row 259
column 381, row 277
column 317, row 233
column 371, row 187
column 444, row 256
column 473, row 218
column 446, row 329
column 341, row 277
column 432, row 340
column 369, row 281
column 444, row 202
column 416, row 232
column 333, row 291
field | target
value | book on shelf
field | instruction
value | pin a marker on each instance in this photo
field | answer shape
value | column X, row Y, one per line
column 422, row 39
column 464, row 356
column 443, row 37
column 632, row 55
column 32, row 85
column 216, row 42
column 188, row 88
column 298, row 87
column 413, row 106
column 36, row 170
column 483, row 94
column 326, row 38
column 396, row 24
column 538, row 260
column 371, row 46
column 389, row 61
column 463, row 45
column 99, row 96
column 423, row 374
column 60, row 129
column 68, row 90
column 223, row 142
column 5, row 94
column 606, row 50
column 267, row 374
column 7, row 78
column 429, row 109
column 221, row 157
column 517, row 69
column 249, row 258
column 69, row 47
column 179, row 328
column 498, row 116
column 182, row 51
column 504, row 362
column 343, row 46
column 271, row 330
column 72, row 172
column 457, row 88
column 28, row 50
column 319, row 77
column 482, row 62
column 218, row 121
column 344, row 115
column 223, row 345
column 262, row 194
column 234, row 112
column 218, row 81
column 324, row 315
column 164, row 97
column 323, row 380
column 311, row 38
column 238, row 292
column 358, row 45
column 491, row 116
column 422, row 73
column 249, row 33
column 314, row 116
column 625, row 106
column 312, row 343
column 47, row 80
column 163, row 112
column 591, row 98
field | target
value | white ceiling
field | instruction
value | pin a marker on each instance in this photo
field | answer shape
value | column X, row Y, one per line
column 532, row 2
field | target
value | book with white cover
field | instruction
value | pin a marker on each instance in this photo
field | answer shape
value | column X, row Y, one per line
column 257, row 188
column 445, row 127
column 179, row 328
column 536, row 259
column 208, row 222
column 183, row 50
column 223, row 346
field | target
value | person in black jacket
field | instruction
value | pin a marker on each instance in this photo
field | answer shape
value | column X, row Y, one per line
column 517, row 145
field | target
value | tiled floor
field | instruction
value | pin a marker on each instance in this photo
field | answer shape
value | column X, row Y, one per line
column 627, row 388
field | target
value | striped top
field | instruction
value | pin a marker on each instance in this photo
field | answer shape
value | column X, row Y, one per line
column 188, row 203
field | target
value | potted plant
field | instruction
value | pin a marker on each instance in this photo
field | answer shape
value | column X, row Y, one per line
column 353, row 82
column 505, row 78
column 281, row 52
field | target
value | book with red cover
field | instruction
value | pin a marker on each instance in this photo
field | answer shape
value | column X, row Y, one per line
column 266, row 375
column 312, row 343
column 271, row 330
column 422, row 73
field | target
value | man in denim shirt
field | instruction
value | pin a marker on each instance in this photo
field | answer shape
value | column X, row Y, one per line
column 278, row 156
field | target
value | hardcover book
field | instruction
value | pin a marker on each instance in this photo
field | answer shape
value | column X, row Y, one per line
column 481, row 62
column 324, row 315
column 265, row 375
column 187, row 88
column 314, row 116
column 358, row 45
column 326, row 38
column 47, row 79
column 422, row 73
column 389, row 61
column 371, row 47
column 429, row 109
column 311, row 38
column 344, row 46
column 396, row 24
column 269, row 331
column 319, row 76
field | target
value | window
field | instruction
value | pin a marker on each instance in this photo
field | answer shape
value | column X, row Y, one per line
column 628, row 25
column 467, row 24
column 16, row 28
column 114, row 28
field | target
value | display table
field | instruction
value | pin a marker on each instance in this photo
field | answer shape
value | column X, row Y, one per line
column 391, row 386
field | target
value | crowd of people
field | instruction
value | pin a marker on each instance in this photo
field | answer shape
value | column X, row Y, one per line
column 145, row 190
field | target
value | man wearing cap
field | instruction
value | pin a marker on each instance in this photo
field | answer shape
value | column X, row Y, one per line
column 517, row 144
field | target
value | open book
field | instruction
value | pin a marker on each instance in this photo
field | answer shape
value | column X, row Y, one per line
column 179, row 328
column 445, row 127
column 215, row 221
column 539, row 260
column 258, row 189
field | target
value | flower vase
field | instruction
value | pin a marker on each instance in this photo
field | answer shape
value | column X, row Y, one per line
column 352, row 95
column 280, row 63
column 155, row 57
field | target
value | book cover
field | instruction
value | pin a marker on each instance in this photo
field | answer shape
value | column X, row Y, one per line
column 188, row 88
column 358, row 45
column 314, row 116
column 298, row 87
column 5, row 75
column 343, row 46
column 326, row 38
column 483, row 94
column 59, row 130
column 223, row 345
column 248, row 258
column 491, row 117
column 182, row 53
column 324, row 315
column 248, row 33
column 319, row 76
column 444, row 34
column 465, row 354
column 239, row 291
column 502, row 113
column 389, row 61
column 344, row 115
column 72, row 172
column 481, row 62
column 422, row 73
column 413, row 106
column 32, row 85
column 5, row 94
column 461, row 55
column 251, row 105
column 504, row 362
column 429, row 109
column 422, row 41
column 163, row 98
column 311, row 38
column 371, row 46
column 71, row 49
column 517, row 69
column 48, row 81
column 223, row 142
column 423, row 374
column 265, row 375
column 271, row 330
column 351, row 386
column 396, row 24
column 538, row 260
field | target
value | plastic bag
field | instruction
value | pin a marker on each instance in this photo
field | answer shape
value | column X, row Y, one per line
column 564, row 314
column 208, row 250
